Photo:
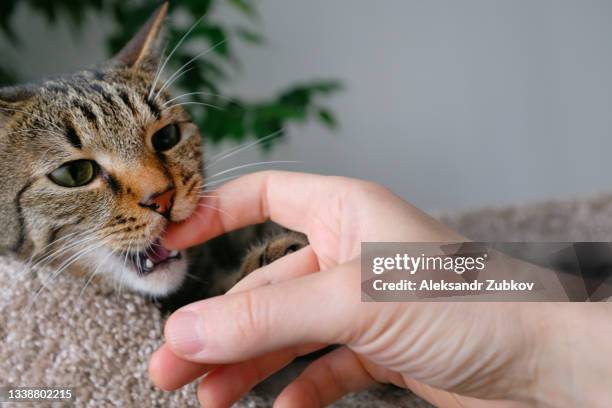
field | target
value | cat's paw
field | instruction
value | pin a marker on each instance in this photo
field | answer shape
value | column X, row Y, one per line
column 271, row 250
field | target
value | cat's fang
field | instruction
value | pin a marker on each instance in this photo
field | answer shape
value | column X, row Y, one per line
column 147, row 261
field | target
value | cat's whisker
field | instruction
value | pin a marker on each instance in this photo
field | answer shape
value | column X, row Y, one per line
column 33, row 262
column 237, row 149
column 217, row 196
column 223, row 180
column 63, row 238
column 138, row 263
column 78, row 244
column 162, row 59
column 125, row 261
column 193, row 103
column 204, row 193
column 50, row 258
column 194, row 277
column 71, row 260
column 176, row 47
column 206, row 190
column 80, row 240
column 91, row 277
column 204, row 205
column 80, row 254
column 196, row 93
column 175, row 79
column 126, row 253
column 215, row 183
column 83, row 239
column 263, row 163
column 43, row 250
column 150, row 247
column 179, row 72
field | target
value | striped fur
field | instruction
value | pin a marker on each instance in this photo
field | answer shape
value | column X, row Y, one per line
column 108, row 114
column 103, row 114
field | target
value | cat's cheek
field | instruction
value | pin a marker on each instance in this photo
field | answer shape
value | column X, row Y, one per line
column 185, row 205
column 185, row 210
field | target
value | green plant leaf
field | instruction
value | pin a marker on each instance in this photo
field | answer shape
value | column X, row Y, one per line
column 197, row 8
column 328, row 118
column 217, row 37
column 244, row 6
column 233, row 119
column 250, row 36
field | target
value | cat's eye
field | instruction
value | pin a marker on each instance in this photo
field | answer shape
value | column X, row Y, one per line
column 166, row 138
column 74, row 174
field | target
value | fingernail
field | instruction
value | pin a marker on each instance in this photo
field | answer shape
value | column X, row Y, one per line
column 183, row 333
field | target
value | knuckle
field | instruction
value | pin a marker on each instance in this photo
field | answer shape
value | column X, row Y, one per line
column 341, row 182
column 356, row 188
column 371, row 188
column 336, row 379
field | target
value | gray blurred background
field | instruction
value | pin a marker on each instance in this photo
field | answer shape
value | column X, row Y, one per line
column 452, row 104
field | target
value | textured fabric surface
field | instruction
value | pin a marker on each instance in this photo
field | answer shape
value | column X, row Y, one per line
column 98, row 341
column 563, row 220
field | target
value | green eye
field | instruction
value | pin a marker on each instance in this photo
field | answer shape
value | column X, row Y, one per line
column 74, row 174
column 166, row 138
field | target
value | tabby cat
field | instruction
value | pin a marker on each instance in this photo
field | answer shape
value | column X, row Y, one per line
column 95, row 164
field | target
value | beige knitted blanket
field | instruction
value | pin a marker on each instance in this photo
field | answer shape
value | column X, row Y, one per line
column 98, row 341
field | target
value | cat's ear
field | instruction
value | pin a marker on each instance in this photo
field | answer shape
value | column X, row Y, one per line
column 145, row 48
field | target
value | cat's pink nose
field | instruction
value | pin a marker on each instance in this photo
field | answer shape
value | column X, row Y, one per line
column 160, row 202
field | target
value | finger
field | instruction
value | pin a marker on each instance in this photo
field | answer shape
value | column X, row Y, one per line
column 441, row 398
column 169, row 372
column 283, row 197
column 239, row 326
column 228, row 383
column 294, row 265
column 325, row 380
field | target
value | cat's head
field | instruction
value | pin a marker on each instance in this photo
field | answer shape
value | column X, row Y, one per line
column 95, row 164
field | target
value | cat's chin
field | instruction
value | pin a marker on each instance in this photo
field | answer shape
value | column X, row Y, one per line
column 165, row 279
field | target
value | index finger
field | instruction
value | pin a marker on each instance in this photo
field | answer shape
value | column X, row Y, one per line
column 284, row 197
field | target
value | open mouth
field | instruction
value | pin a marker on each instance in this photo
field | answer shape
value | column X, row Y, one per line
column 145, row 262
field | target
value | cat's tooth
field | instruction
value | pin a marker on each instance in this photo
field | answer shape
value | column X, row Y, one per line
column 173, row 254
column 149, row 264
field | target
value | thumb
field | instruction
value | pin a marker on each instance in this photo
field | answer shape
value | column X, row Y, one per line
column 317, row 308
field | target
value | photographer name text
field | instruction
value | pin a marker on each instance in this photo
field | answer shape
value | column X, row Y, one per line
column 453, row 264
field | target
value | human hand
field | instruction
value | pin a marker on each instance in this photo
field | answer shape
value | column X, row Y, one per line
column 453, row 354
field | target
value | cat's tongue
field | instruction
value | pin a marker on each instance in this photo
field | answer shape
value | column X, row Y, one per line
column 146, row 261
column 158, row 253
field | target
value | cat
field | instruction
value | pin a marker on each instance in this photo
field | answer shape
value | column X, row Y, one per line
column 95, row 164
